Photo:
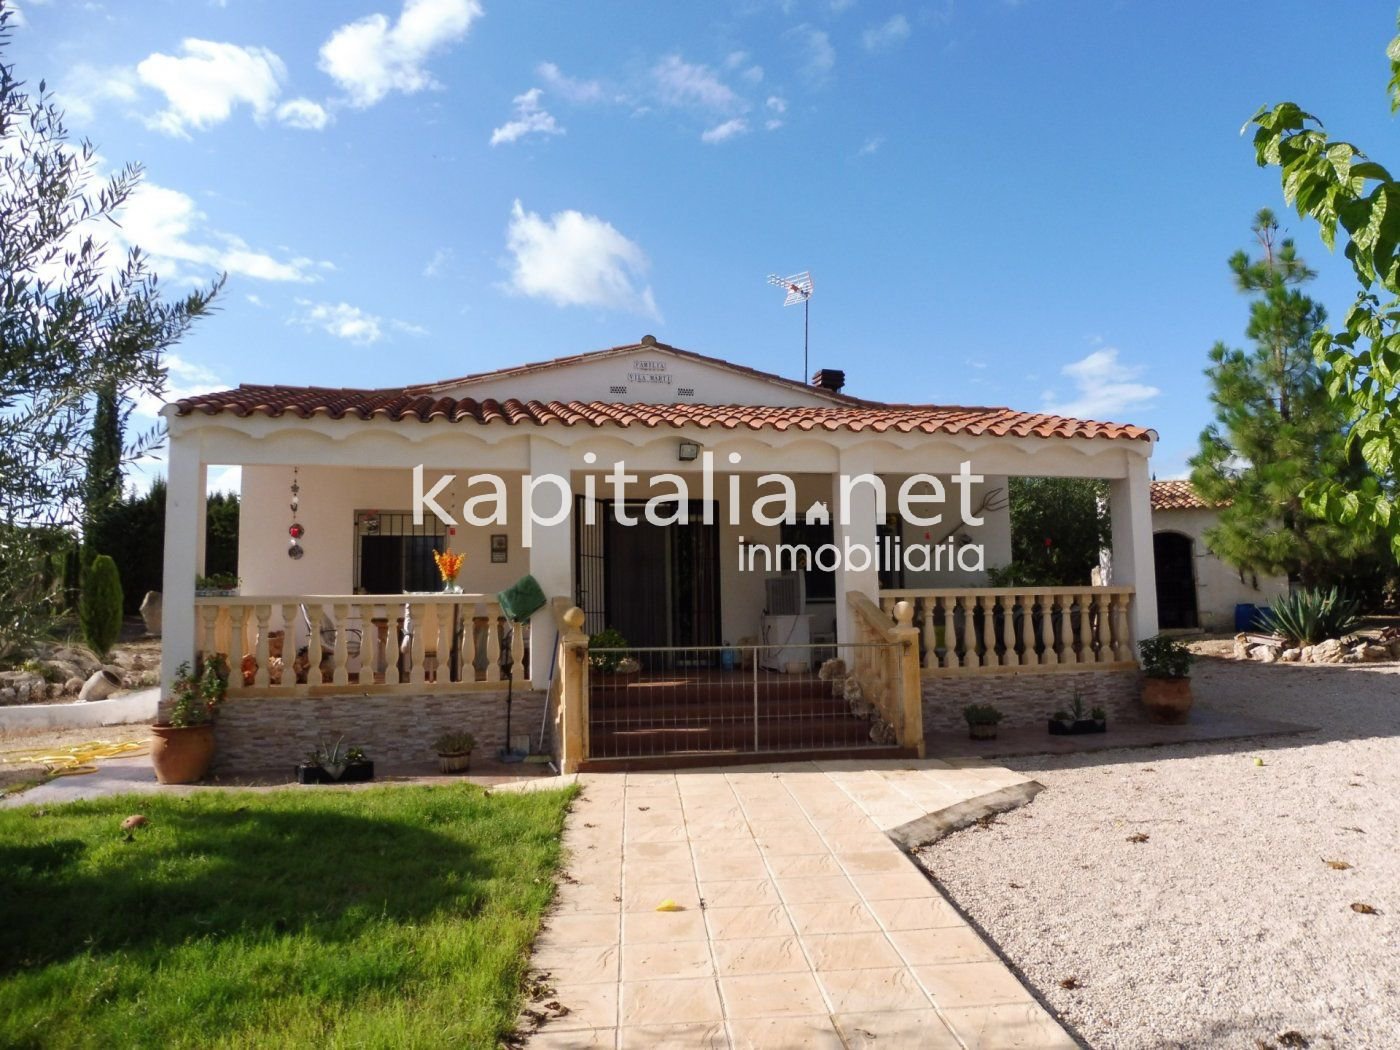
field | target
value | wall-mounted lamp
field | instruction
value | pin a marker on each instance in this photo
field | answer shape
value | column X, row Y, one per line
column 688, row 452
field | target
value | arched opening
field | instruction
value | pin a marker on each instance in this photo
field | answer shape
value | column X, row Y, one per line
column 1173, row 555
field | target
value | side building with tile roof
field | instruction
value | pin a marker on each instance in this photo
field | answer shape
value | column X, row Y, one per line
column 1195, row 589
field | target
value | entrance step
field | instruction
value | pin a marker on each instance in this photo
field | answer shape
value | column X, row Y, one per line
column 652, row 738
column 699, row 759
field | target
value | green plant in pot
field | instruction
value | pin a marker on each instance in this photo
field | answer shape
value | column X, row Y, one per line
column 454, row 751
column 1077, row 720
column 982, row 721
column 608, row 662
column 1166, row 686
column 182, row 747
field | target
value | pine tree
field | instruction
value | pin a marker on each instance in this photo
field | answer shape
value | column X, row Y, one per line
column 1275, row 428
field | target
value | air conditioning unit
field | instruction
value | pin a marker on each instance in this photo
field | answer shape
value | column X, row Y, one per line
column 783, row 596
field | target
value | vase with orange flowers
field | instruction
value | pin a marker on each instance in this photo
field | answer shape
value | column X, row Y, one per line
column 449, row 564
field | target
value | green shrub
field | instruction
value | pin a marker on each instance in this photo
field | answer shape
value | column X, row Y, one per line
column 981, row 715
column 100, row 608
column 1312, row 615
column 462, row 743
column 1164, row 657
column 611, row 638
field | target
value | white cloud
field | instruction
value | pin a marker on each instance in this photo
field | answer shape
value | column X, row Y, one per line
column 777, row 106
column 371, row 57
column 438, row 263
column 870, row 145
column 303, row 113
column 572, row 259
column 342, row 321
column 818, row 57
column 205, row 83
column 84, row 88
column 530, row 119
column 681, row 83
column 749, row 71
column 1105, row 388
column 224, row 479
column 887, row 34
column 168, row 226
column 567, row 87
column 725, row 131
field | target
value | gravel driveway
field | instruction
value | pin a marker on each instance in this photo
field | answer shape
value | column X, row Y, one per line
column 1226, row 926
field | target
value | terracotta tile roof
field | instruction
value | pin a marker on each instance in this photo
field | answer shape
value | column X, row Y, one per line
column 1179, row 495
column 417, row 403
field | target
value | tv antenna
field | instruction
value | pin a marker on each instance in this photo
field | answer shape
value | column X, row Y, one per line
column 799, row 290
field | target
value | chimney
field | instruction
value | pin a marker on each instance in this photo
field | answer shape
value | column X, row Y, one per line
column 832, row 379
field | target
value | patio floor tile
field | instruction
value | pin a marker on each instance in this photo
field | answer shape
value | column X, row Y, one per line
column 851, row 951
column 709, row 1035
column 1008, row 1027
column 644, row 962
column 873, row 990
column 763, row 920
column 971, row 984
column 680, row 1001
column 771, row 995
column 751, row 955
column 902, row 1030
column 816, row 1032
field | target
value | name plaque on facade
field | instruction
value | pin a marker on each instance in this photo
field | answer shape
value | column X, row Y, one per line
column 644, row 371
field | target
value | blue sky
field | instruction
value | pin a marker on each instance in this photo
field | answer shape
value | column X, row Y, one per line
column 1024, row 203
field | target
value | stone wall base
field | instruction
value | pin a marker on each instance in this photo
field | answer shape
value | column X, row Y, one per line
column 1027, row 699
column 265, row 733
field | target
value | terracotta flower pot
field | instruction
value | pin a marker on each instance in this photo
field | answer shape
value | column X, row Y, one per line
column 181, row 755
column 1168, row 700
column 458, row 763
column 982, row 731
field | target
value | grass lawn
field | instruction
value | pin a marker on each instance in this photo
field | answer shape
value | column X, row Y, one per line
column 384, row 917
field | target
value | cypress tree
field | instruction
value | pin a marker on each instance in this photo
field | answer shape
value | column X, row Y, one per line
column 100, row 608
column 102, row 488
column 1275, row 428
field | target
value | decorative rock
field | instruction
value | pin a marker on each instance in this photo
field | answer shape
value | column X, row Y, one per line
column 79, row 658
column 54, row 691
column 73, row 686
column 1291, row 656
column 8, row 695
column 1328, row 652
column 1241, row 647
column 1370, row 652
column 101, row 685
column 151, row 612
column 1269, row 654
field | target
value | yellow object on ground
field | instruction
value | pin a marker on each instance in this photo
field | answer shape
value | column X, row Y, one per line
column 669, row 905
column 78, row 758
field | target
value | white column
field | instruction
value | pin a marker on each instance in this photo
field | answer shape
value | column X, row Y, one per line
column 550, row 555
column 183, row 499
column 858, row 510
column 201, row 523
column 1130, row 511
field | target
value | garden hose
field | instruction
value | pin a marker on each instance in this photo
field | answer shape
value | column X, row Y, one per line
column 77, row 759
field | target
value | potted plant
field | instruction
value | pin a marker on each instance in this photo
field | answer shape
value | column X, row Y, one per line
column 182, row 748
column 610, row 662
column 1076, row 720
column 335, row 764
column 982, row 721
column 359, row 767
column 454, row 751
column 219, row 585
column 1166, row 687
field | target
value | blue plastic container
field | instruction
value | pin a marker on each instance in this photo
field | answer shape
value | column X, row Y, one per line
column 1247, row 616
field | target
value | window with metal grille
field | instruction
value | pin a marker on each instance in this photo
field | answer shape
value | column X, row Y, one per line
column 685, row 391
column 395, row 556
column 617, row 390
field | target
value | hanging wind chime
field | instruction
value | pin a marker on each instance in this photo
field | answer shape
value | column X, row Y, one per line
column 295, row 530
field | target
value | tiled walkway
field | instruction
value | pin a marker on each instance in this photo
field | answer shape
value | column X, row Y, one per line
column 801, row 923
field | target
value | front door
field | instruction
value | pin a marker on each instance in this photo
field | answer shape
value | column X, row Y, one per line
column 1172, row 554
column 659, row 584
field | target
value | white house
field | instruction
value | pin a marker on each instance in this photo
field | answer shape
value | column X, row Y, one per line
column 1194, row 587
column 583, row 443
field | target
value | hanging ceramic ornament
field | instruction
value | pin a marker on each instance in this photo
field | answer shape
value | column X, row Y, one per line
column 296, row 531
